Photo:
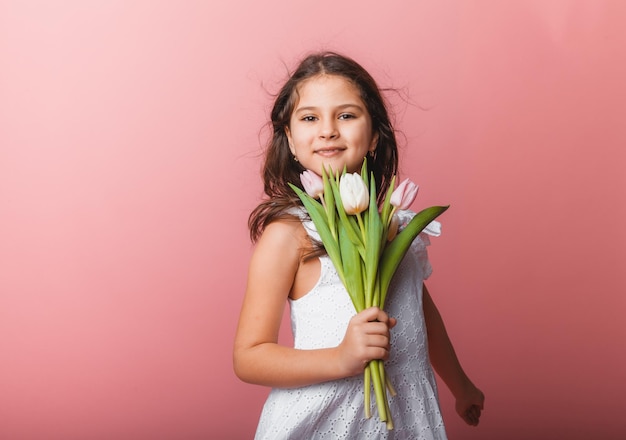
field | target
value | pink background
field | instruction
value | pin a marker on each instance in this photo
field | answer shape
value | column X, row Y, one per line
column 129, row 142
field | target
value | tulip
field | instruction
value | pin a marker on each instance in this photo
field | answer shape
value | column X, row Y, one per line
column 354, row 193
column 312, row 183
column 404, row 194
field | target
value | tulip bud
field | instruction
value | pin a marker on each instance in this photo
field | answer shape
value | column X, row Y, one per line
column 312, row 183
column 404, row 194
column 354, row 194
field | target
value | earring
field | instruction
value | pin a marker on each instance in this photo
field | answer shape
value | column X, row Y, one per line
column 295, row 158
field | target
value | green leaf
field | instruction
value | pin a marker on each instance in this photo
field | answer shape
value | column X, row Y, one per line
column 395, row 250
column 374, row 245
column 353, row 270
column 329, row 201
column 364, row 173
column 318, row 216
column 386, row 210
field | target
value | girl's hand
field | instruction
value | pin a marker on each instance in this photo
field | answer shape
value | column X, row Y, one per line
column 367, row 338
column 470, row 404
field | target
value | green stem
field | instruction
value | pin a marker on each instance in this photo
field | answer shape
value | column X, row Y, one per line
column 393, row 211
column 384, row 378
column 379, row 390
column 362, row 228
column 390, row 387
column 368, row 296
column 329, row 217
column 376, row 294
column 367, row 389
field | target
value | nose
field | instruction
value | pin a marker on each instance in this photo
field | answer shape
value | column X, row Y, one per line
column 328, row 129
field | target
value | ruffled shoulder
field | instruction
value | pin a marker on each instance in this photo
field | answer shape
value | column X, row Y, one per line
column 301, row 213
column 418, row 247
column 298, row 211
column 433, row 229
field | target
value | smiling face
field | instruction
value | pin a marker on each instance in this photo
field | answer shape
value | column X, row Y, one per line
column 330, row 125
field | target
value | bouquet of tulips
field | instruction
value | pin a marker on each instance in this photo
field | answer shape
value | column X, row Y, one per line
column 363, row 242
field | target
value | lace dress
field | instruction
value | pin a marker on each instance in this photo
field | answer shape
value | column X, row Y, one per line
column 334, row 410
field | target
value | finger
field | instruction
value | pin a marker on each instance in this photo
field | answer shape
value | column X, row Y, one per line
column 474, row 413
column 468, row 419
column 376, row 314
column 377, row 328
column 477, row 410
column 375, row 353
column 368, row 315
column 380, row 341
column 384, row 317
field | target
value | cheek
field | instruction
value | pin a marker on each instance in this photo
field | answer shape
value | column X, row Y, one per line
column 301, row 136
column 363, row 137
column 291, row 134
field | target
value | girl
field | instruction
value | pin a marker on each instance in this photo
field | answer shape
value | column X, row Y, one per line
column 330, row 113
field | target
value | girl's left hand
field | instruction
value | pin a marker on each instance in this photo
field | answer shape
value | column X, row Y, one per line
column 470, row 405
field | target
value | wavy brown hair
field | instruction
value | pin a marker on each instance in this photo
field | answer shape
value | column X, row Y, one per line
column 279, row 168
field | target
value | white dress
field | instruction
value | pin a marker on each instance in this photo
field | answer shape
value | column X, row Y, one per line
column 334, row 410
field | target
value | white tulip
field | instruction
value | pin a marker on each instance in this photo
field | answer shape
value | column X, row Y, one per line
column 354, row 194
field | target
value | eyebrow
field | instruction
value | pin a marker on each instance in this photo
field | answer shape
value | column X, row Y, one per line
column 339, row 107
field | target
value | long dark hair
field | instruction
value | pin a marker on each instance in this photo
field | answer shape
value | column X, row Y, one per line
column 279, row 168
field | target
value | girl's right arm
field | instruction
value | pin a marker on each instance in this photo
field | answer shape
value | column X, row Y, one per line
column 258, row 358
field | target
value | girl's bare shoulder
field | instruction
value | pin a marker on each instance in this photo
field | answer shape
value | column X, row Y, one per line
column 286, row 237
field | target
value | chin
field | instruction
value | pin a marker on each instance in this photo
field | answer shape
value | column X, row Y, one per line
column 338, row 166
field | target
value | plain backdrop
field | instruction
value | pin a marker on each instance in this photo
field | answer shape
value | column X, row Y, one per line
column 130, row 136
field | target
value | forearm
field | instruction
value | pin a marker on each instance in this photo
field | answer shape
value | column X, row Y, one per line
column 271, row 364
column 278, row 366
column 441, row 351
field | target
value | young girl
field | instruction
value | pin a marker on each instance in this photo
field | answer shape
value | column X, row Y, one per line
column 330, row 113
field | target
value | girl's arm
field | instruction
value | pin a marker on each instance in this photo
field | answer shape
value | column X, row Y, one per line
column 469, row 399
column 258, row 358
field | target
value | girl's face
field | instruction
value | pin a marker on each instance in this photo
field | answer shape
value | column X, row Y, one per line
column 330, row 125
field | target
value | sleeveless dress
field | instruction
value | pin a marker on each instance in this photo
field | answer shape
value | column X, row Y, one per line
column 335, row 409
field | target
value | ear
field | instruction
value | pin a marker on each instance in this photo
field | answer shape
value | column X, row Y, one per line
column 290, row 140
column 374, row 143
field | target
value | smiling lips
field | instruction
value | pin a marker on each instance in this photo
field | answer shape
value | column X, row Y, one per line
column 329, row 151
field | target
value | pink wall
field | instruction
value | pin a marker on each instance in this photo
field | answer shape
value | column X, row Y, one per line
column 129, row 134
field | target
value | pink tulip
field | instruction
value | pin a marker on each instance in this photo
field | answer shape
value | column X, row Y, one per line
column 312, row 183
column 404, row 194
